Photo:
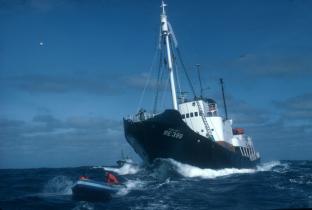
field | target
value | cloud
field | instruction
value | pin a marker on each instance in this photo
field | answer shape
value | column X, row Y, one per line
column 48, row 124
column 287, row 135
column 273, row 65
column 245, row 114
column 79, row 82
column 300, row 103
column 6, row 123
column 43, row 6
column 9, row 6
column 296, row 110
column 277, row 140
column 144, row 80
column 43, row 140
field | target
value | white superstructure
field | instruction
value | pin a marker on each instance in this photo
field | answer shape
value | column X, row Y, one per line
column 220, row 129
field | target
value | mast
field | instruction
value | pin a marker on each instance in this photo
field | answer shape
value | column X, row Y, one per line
column 224, row 103
column 165, row 32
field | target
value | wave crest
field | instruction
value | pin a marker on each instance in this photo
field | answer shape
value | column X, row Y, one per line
column 269, row 165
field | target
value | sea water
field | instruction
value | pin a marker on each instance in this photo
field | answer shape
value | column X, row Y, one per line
column 166, row 184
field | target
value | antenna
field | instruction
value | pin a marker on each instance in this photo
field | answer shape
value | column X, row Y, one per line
column 224, row 103
column 199, row 78
column 163, row 5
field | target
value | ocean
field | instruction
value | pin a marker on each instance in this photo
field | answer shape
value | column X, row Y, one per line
column 166, row 184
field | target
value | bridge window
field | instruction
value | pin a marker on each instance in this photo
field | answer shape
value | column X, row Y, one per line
column 183, row 116
column 196, row 114
column 187, row 115
column 192, row 115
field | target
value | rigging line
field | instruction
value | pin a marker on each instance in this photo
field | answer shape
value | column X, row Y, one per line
column 178, row 80
column 158, row 81
column 147, row 81
column 185, row 72
column 162, row 85
column 164, row 95
column 193, row 91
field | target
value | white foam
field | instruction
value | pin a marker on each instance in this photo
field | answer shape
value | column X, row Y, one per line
column 154, row 205
column 59, row 185
column 268, row 166
column 167, row 181
column 127, row 168
column 192, row 171
column 131, row 185
column 83, row 205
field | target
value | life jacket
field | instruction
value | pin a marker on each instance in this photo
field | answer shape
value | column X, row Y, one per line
column 111, row 179
column 83, row 177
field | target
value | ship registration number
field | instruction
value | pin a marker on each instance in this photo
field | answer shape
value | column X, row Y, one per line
column 173, row 133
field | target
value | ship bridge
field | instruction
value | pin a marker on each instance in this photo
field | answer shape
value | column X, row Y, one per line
column 202, row 116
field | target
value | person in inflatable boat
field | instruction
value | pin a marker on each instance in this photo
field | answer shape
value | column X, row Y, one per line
column 111, row 178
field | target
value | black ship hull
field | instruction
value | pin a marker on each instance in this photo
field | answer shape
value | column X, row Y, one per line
column 167, row 136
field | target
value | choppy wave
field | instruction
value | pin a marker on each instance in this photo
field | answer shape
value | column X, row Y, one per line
column 127, row 168
column 302, row 180
column 131, row 185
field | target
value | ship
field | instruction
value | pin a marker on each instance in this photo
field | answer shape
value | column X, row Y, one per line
column 192, row 130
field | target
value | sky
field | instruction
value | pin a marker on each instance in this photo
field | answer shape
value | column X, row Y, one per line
column 70, row 70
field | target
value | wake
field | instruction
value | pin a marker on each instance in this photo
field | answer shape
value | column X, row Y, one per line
column 190, row 171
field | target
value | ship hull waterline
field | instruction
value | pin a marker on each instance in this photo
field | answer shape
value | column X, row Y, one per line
column 167, row 136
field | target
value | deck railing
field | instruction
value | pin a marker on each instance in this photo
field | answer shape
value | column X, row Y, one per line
column 141, row 116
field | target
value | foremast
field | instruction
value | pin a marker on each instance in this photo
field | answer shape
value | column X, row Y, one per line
column 165, row 32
